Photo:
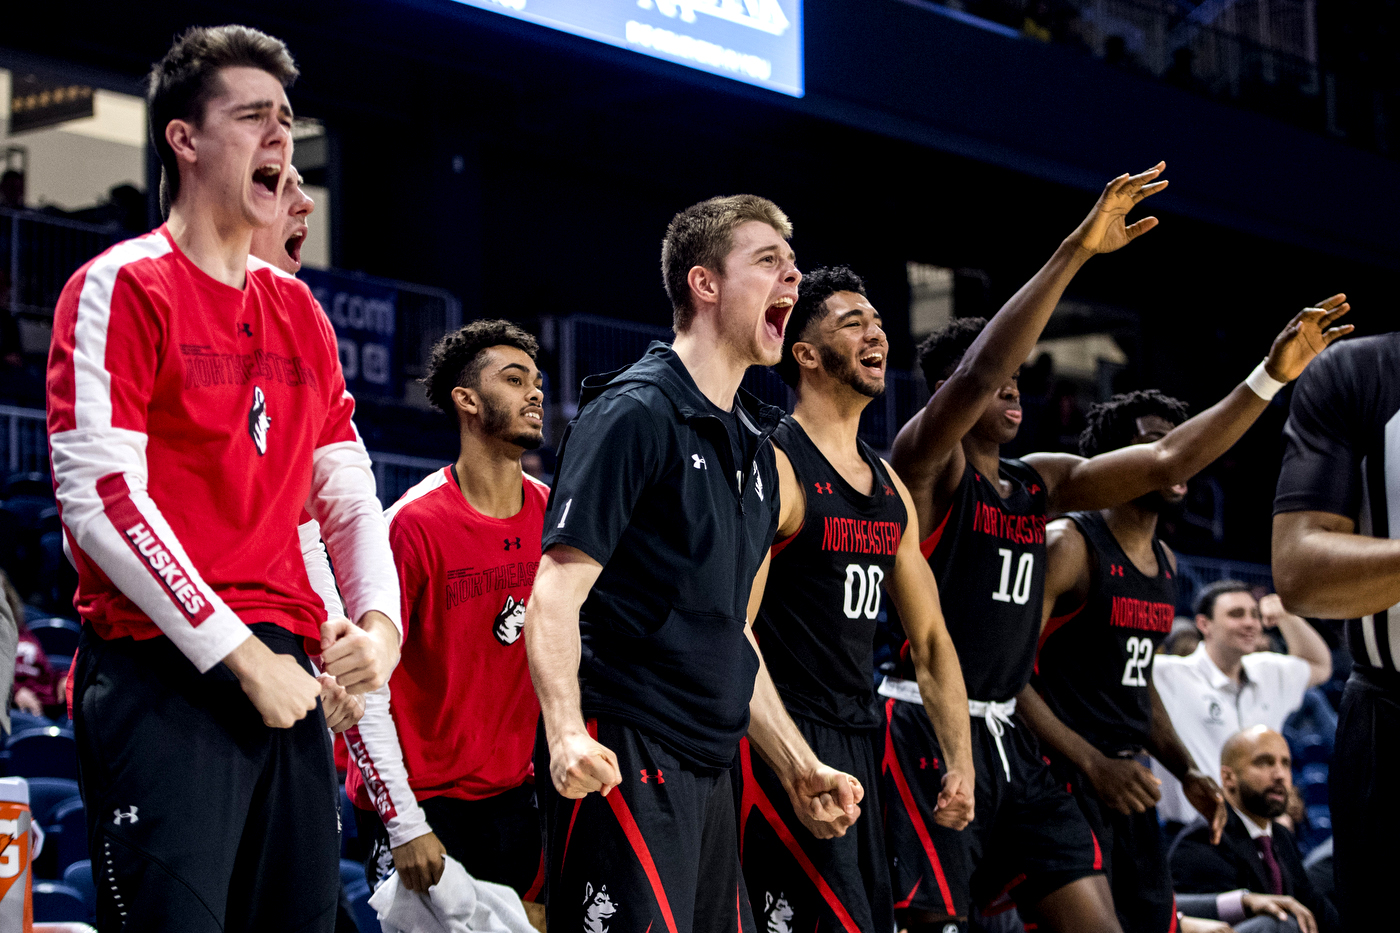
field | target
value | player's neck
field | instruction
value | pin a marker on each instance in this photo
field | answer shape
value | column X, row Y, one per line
column 711, row 362
column 215, row 240
column 831, row 417
column 984, row 455
column 1134, row 528
column 489, row 475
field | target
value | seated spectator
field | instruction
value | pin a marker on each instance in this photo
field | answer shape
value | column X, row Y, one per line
column 1184, row 639
column 9, row 632
column 1225, row 685
column 37, row 692
column 1255, row 854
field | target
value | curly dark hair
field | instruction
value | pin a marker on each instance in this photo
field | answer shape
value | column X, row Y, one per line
column 816, row 287
column 942, row 350
column 457, row 360
column 1113, row 424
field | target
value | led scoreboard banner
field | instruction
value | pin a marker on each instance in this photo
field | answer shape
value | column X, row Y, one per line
column 755, row 41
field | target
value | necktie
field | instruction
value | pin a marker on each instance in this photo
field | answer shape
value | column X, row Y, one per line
column 1266, row 852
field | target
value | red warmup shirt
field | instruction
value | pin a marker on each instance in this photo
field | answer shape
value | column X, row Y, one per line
column 462, row 703
column 190, row 422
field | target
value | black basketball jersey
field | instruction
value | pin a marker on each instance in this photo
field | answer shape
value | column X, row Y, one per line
column 1095, row 662
column 989, row 558
column 1342, row 455
column 816, row 625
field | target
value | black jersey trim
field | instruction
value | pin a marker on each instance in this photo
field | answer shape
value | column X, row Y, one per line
column 778, row 546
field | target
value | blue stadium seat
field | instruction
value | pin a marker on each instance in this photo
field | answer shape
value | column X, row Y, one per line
column 1310, row 748
column 47, row 752
column 348, row 829
column 78, row 876
column 55, row 902
column 364, row 916
column 58, row 636
column 35, row 485
column 1320, row 821
column 1312, row 784
column 45, row 794
column 68, row 835
column 351, row 871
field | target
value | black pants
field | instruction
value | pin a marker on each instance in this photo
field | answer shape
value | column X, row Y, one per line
column 200, row 817
column 1365, row 822
column 839, row 885
column 496, row 838
column 660, row 853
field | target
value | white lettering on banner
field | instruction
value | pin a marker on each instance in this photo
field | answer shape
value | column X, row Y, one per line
column 357, row 312
column 349, row 358
column 374, row 363
column 698, row 50
column 763, row 15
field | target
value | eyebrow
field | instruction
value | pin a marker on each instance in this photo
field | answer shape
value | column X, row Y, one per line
column 773, row 248
column 285, row 109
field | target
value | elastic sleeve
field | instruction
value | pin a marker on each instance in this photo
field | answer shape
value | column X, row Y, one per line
column 101, row 374
column 318, row 566
column 343, row 501
column 1321, row 464
column 610, row 456
column 374, row 747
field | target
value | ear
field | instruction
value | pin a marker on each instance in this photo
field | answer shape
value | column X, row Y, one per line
column 806, row 355
column 466, row 400
column 1202, row 623
column 179, row 135
column 939, row 384
column 704, row 284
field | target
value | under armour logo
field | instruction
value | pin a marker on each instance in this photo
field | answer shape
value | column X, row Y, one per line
column 1115, row 570
column 1035, row 488
column 245, row 329
column 516, row 545
column 699, row 462
column 923, row 764
column 118, row 816
column 888, row 491
column 821, row 491
column 660, row 779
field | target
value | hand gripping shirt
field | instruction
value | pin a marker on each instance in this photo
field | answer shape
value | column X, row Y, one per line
column 190, row 423
column 648, row 485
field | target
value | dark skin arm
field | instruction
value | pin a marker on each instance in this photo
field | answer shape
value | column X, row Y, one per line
column 1075, row 483
column 1122, row 783
column 1324, row 569
column 928, row 451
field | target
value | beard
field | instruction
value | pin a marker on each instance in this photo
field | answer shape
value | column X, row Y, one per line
column 1159, row 504
column 496, row 422
column 841, row 368
column 1254, row 801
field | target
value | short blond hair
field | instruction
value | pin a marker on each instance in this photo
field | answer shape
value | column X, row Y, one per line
column 703, row 235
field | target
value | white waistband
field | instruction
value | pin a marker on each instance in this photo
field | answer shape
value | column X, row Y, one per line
column 908, row 691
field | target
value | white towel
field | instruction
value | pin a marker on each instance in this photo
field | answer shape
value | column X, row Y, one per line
column 458, row 903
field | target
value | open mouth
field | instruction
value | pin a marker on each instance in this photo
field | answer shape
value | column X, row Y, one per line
column 534, row 415
column 775, row 318
column 268, row 176
column 293, row 246
column 874, row 360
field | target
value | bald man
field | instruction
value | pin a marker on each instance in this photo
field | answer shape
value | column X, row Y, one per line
column 1254, row 854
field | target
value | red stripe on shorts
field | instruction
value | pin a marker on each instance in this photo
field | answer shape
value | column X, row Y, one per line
column 912, row 808
column 639, row 846
column 770, row 813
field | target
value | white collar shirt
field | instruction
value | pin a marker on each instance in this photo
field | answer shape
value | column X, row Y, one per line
column 1252, row 827
column 1207, row 707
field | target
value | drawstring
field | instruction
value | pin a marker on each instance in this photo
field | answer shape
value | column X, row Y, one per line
column 995, row 714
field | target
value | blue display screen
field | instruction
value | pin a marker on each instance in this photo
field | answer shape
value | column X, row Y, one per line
column 755, row 41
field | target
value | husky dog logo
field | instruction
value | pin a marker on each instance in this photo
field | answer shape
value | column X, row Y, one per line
column 599, row 907
column 779, row 913
column 259, row 421
column 509, row 621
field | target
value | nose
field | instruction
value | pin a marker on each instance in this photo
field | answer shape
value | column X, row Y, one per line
column 793, row 275
column 536, row 395
column 305, row 206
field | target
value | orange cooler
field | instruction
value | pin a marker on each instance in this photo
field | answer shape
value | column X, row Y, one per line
column 16, row 883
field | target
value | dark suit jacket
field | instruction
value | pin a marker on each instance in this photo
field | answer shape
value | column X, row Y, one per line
column 1201, row 868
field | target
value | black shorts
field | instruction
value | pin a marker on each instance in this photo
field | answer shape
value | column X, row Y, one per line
column 1028, row 838
column 200, row 817
column 660, row 852
column 1364, row 827
column 830, row 885
column 1135, row 856
column 495, row 838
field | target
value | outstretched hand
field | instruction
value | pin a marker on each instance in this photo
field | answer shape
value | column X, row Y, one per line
column 1106, row 228
column 1308, row 334
column 826, row 801
column 1206, row 797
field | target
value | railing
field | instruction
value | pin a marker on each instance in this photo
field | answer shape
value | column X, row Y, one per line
column 25, row 445
column 587, row 344
column 39, row 252
column 1195, row 573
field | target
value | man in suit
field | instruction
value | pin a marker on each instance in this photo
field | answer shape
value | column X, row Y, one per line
column 1254, row 854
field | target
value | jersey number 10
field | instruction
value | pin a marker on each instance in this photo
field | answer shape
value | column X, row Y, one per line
column 1021, row 590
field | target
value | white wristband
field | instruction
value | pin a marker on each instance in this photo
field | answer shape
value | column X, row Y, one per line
column 1262, row 384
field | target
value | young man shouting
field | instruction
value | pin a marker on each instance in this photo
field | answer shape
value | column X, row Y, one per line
column 196, row 404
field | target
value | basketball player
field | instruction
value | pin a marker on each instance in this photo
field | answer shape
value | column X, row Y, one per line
column 446, row 764
column 983, row 523
column 843, row 535
column 663, row 510
column 1110, row 598
column 1335, row 555
column 195, row 405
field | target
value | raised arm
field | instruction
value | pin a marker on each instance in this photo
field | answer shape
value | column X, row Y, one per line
column 1122, row 475
column 578, row 764
column 915, row 594
column 1302, row 639
column 928, row 452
